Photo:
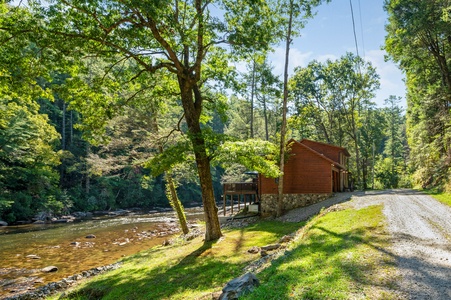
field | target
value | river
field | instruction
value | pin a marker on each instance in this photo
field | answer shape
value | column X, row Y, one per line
column 26, row 249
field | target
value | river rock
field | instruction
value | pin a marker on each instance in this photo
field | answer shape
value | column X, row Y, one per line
column 90, row 236
column 49, row 269
column 254, row 250
column 3, row 223
column 33, row 256
column 286, row 239
column 39, row 222
column 76, row 244
column 63, row 221
column 237, row 287
column 271, row 247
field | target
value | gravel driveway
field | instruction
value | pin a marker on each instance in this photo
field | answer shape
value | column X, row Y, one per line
column 421, row 237
column 421, row 230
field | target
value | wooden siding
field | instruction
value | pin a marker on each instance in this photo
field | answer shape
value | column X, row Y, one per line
column 305, row 172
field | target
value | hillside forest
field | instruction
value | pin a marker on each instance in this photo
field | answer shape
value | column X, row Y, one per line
column 121, row 104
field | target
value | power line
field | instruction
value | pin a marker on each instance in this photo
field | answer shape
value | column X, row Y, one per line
column 353, row 27
column 361, row 29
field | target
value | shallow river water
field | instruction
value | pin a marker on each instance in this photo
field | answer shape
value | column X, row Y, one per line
column 26, row 249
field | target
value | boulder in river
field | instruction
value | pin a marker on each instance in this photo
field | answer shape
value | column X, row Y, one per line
column 90, row 236
column 49, row 269
column 33, row 256
column 3, row 223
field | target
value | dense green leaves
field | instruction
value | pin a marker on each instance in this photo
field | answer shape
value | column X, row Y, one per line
column 419, row 40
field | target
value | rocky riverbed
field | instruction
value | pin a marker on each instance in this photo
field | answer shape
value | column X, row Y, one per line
column 76, row 247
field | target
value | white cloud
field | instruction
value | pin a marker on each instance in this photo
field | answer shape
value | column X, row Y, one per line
column 391, row 78
column 297, row 58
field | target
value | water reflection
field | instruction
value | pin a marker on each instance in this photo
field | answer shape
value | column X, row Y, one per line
column 66, row 246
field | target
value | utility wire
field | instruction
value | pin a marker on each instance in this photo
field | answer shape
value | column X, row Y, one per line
column 361, row 29
column 353, row 27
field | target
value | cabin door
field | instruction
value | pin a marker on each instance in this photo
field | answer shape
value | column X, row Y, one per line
column 335, row 181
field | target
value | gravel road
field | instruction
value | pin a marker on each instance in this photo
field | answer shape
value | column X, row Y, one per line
column 421, row 234
column 421, row 231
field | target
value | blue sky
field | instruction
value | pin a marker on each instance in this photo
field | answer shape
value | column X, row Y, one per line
column 330, row 35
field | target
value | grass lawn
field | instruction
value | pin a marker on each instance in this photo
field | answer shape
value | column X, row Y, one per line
column 338, row 255
column 190, row 270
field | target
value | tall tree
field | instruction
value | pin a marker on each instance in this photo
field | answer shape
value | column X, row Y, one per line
column 28, row 141
column 296, row 15
column 179, row 37
column 419, row 39
column 336, row 97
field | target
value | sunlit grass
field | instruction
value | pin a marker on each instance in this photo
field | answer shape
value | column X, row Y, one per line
column 340, row 256
column 442, row 197
column 184, row 270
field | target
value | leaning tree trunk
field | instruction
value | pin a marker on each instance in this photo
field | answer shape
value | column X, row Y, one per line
column 171, row 191
column 175, row 202
column 192, row 106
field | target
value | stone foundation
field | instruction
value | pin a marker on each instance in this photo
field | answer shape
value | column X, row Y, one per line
column 290, row 201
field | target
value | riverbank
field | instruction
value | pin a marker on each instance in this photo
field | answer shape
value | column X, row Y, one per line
column 79, row 246
column 335, row 255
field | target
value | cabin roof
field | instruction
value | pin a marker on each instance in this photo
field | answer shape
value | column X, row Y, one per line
column 345, row 151
column 335, row 163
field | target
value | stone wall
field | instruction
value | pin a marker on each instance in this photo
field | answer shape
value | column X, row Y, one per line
column 290, row 201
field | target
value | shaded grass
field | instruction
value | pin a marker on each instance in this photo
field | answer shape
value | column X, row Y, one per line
column 190, row 270
column 338, row 256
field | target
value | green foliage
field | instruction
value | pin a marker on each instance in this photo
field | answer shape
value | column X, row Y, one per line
column 418, row 39
column 27, row 158
column 333, row 105
column 253, row 154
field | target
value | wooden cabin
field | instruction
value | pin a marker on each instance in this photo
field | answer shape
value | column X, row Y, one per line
column 313, row 171
column 312, row 168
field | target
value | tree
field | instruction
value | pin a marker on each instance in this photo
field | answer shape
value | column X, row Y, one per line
column 336, row 97
column 179, row 37
column 27, row 139
column 419, row 40
column 296, row 14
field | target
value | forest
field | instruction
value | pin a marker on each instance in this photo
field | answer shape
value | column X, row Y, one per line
column 123, row 104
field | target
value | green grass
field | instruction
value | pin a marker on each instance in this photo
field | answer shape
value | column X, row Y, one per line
column 190, row 270
column 442, row 197
column 340, row 256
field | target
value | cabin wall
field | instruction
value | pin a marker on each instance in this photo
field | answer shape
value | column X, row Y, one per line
column 305, row 173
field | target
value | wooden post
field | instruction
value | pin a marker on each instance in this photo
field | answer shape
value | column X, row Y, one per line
column 224, row 201
column 231, row 197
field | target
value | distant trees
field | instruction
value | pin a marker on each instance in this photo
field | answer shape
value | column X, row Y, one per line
column 333, row 105
column 100, row 99
column 28, row 142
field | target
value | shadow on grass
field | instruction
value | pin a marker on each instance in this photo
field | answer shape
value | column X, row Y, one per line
column 200, row 272
column 139, row 282
column 327, row 265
